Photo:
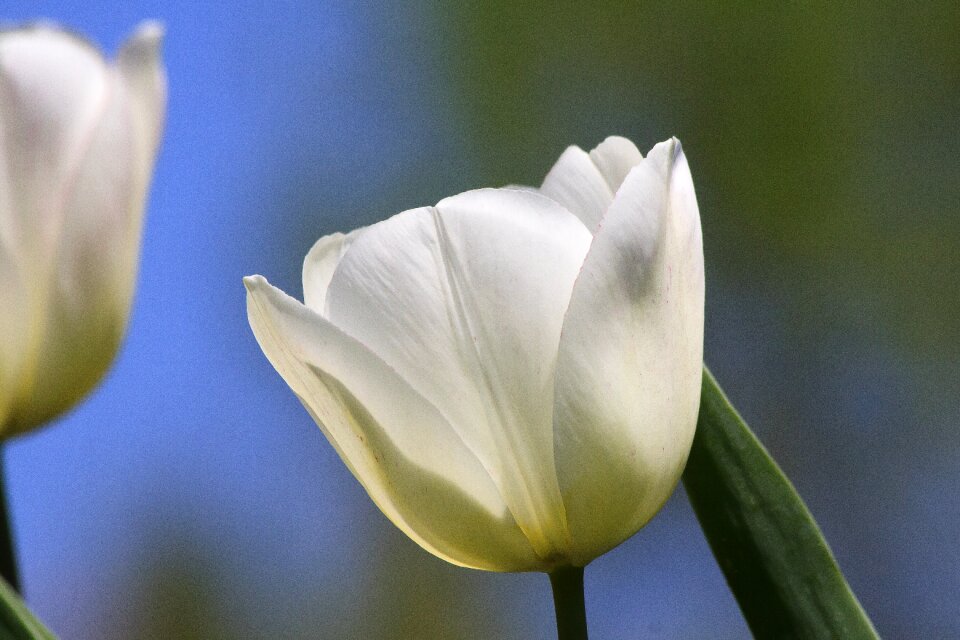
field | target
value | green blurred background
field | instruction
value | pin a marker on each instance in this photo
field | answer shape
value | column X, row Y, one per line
column 823, row 140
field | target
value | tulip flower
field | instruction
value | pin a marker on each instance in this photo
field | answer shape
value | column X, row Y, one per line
column 78, row 139
column 513, row 375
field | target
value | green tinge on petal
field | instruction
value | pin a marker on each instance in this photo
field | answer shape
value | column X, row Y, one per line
column 771, row 551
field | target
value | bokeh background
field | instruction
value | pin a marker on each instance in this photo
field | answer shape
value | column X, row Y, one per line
column 192, row 497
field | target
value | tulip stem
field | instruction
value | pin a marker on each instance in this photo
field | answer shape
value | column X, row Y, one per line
column 567, row 583
column 8, row 558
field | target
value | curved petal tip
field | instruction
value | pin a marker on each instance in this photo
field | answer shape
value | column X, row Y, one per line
column 253, row 282
column 145, row 42
column 149, row 32
column 670, row 149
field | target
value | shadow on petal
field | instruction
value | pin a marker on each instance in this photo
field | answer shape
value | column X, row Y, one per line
column 436, row 513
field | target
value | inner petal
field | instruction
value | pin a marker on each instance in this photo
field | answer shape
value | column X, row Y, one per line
column 576, row 183
column 319, row 266
column 615, row 157
column 466, row 301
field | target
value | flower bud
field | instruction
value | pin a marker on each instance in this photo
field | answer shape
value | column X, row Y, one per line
column 78, row 139
column 513, row 374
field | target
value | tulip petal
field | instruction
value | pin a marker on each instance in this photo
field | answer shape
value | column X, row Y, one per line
column 142, row 95
column 319, row 266
column 14, row 326
column 84, row 295
column 465, row 301
column 628, row 369
column 615, row 157
column 398, row 446
column 53, row 88
column 577, row 184
column 145, row 84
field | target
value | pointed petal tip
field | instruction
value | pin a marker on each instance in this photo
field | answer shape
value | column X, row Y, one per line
column 145, row 43
column 670, row 143
column 669, row 152
column 254, row 282
column 149, row 32
column 677, row 147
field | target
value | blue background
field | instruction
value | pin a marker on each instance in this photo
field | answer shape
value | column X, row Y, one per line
column 191, row 496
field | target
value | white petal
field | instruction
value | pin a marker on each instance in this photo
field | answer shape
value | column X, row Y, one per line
column 14, row 322
column 142, row 95
column 629, row 366
column 145, row 88
column 82, row 302
column 577, row 184
column 79, row 140
column 86, row 296
column 465, row 301
column 615, row 157
column 319, row 265
column 521, row 187
column 53, row 89
column 412, row 464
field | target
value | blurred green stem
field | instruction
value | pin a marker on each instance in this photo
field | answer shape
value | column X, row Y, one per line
column 567, row 583
column 8, row 559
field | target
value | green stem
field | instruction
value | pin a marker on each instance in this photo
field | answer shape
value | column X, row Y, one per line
column 8, row 558
column 567, row 583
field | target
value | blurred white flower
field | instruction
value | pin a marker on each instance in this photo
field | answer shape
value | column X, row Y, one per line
column 514, row 374
column 78, row 138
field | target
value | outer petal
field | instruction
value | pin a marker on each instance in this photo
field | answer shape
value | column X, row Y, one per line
column 404, row 453
column 142, row 93
column 319, row 266
column 465, row 301
column 145, row 83
column 13, row 331
column 53, row 89
column 577, row 184
column 628, row 370
column 81, row 303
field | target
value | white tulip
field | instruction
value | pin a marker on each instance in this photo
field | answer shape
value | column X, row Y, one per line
column 514, row 374
column 78, row 138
